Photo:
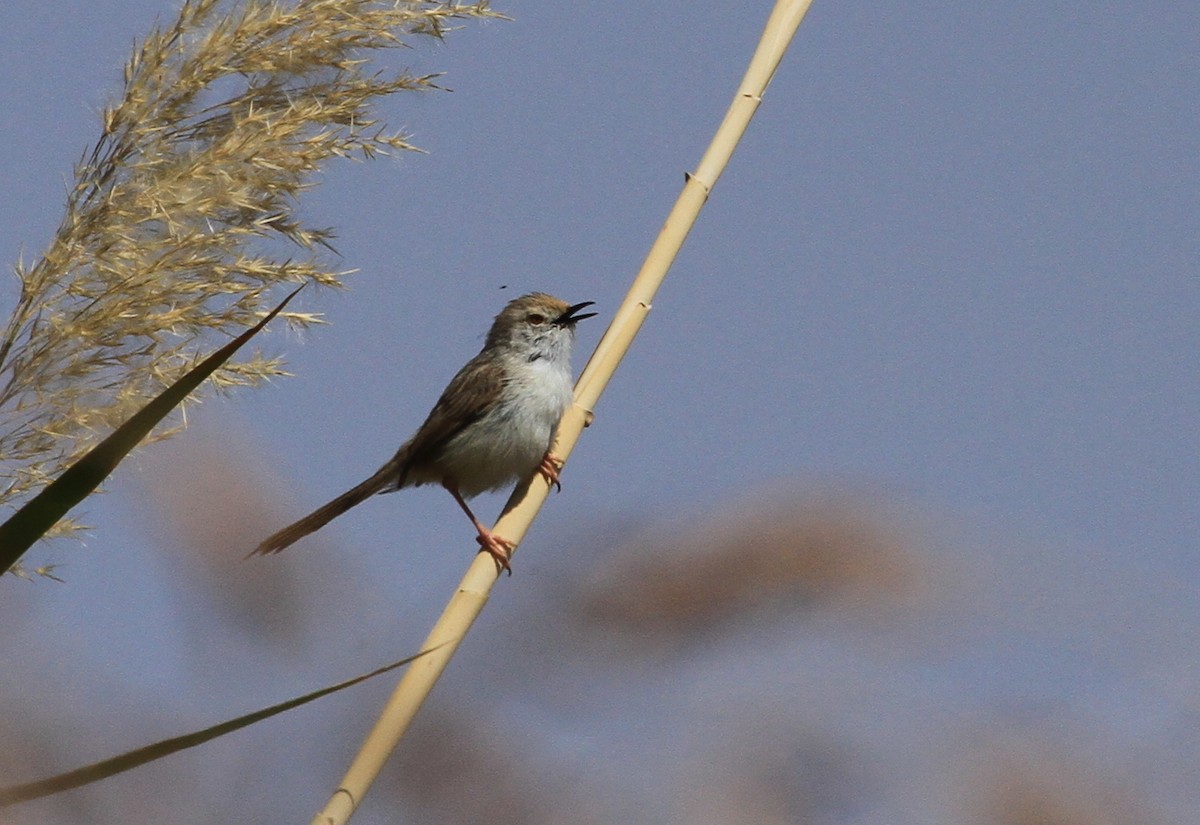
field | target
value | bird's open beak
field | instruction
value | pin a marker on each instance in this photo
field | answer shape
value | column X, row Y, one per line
column 569, row 317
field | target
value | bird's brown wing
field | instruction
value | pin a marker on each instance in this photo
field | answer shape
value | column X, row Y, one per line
column 469, row 396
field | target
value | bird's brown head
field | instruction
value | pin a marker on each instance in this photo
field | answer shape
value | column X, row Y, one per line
column 537, row 322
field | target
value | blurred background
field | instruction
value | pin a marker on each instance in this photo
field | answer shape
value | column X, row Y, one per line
column 889, row 517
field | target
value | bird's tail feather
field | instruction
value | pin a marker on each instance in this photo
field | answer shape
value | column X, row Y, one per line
column 385, row 477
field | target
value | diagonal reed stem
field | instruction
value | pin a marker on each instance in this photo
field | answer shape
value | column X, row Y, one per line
column 527, row 499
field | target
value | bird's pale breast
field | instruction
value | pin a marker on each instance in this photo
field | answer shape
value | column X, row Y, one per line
column 511, row 439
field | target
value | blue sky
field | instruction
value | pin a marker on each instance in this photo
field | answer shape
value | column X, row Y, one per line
column 954, row 264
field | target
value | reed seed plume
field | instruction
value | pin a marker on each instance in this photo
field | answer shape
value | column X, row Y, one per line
column 183, row 216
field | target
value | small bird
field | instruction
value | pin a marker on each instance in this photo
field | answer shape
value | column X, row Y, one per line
column 494, row 424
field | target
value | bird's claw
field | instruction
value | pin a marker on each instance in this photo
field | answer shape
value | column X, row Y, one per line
column 549, row 468
column 498, row 548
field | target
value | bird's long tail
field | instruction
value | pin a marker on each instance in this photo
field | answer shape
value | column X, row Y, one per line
column 385, row 477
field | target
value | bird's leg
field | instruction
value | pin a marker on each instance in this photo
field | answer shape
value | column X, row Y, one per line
column 498, row 548
column 549, row 468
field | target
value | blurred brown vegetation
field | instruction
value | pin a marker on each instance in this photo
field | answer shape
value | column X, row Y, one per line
column 797, row 623
column 754, row 555
column 1029, row 785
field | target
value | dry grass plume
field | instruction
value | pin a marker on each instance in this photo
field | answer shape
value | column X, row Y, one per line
column 182, row 217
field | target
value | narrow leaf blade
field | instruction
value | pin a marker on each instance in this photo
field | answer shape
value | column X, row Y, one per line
column 140, row 756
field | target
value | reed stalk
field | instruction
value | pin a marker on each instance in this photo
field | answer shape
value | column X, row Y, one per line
column 472, row 593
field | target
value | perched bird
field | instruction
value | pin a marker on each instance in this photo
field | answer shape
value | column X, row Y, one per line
column 493, row 425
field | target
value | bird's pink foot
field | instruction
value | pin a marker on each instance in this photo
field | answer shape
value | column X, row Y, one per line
column 498, row 548
column 549, row 468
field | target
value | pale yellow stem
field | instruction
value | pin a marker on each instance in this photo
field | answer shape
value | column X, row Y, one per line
column 528, row 498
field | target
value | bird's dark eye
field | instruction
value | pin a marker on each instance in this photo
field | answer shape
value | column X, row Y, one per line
column 536, row 319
